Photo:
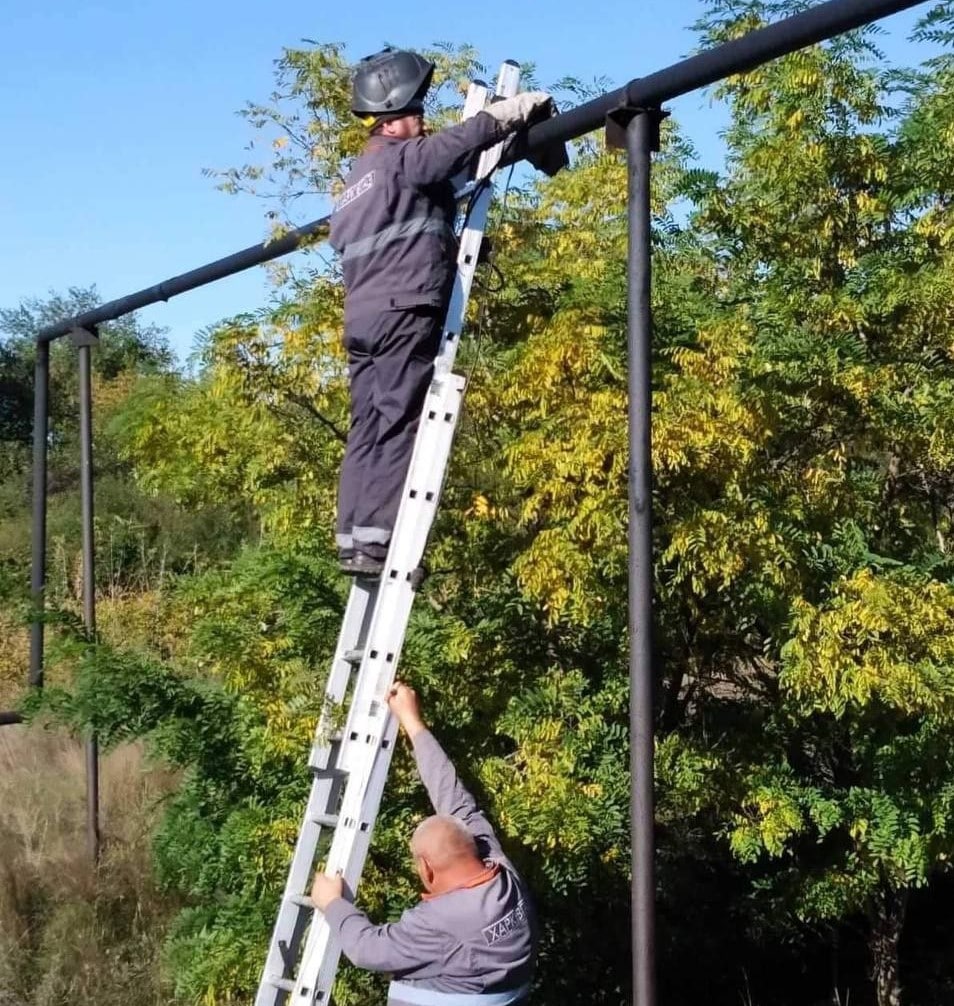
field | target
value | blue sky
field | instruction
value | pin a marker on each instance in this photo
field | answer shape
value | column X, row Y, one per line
column 112, row 108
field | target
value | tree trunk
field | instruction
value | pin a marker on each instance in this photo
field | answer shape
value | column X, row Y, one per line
column 834, row 950
column 887, row 921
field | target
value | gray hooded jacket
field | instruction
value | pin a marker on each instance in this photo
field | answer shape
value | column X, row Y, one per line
column 394, row 222
column 473, row 946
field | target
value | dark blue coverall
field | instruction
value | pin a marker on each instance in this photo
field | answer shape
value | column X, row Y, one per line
column 393, row 226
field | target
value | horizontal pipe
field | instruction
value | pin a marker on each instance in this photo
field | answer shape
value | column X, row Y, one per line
column 8, row 719
column 745, row 53
column 753, row 49
column 219, row 269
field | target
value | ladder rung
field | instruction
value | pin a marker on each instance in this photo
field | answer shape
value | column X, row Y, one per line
column 328, row 772
column 349, row 764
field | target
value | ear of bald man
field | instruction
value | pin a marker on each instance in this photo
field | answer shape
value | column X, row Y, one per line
column 445, row 853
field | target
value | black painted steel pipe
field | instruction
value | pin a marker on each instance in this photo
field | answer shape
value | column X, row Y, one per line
column 86, row 484
column 793, row 33
column 41, row 391
column 640, row 142
column 745, row 53
column 219, row 269
column 815, row 25
column 85, row 340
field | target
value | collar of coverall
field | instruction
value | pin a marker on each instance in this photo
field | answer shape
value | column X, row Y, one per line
column 483, row 877
column 382, row 141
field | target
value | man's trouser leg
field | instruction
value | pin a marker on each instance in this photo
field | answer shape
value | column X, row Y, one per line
column 362, row 433
column 404, row 346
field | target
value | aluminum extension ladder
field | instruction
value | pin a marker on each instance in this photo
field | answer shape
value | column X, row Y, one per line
column 350, row 764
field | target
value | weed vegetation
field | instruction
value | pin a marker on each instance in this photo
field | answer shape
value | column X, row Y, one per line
column 72, row 932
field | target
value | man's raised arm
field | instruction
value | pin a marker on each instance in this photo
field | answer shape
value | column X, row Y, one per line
column 448, row 794
column 432, row 159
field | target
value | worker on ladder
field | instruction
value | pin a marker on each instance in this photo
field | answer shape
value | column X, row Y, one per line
column 393, row 226
column 472, row 937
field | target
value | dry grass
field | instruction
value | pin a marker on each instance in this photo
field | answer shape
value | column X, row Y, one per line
column 69, row 932
column 14, row 659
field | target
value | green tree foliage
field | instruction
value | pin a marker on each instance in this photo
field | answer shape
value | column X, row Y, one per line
column 804, row 401
column 142, row 537
column 16, row 414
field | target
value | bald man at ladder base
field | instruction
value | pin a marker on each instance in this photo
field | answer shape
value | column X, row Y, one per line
column 471, row 941
column 393, row 226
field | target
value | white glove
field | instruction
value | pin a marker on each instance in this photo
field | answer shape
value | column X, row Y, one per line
column 512, row 113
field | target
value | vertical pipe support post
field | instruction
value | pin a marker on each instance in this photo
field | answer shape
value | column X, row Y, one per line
column 41, row 412
column 637, row 131
column 84, row 339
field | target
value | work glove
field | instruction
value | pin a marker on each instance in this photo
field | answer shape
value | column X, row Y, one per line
column 512, row 113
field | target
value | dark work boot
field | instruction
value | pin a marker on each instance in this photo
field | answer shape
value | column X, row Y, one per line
column 357, row 563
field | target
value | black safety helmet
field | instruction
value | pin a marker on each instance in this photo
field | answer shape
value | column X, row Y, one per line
column 390, row 82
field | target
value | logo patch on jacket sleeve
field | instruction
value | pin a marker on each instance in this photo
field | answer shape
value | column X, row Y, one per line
column 515, row 920
column 364, row 184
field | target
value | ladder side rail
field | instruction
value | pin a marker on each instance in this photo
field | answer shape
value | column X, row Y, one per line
column 384, row 642
column 379, row 663
column 292, row 917
column 476, row 99
column 366, row 749
column 354, row 630
column 367, row 743
column 386, row 634
column 326, row 950
column 470, row 242
column 508, row 83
